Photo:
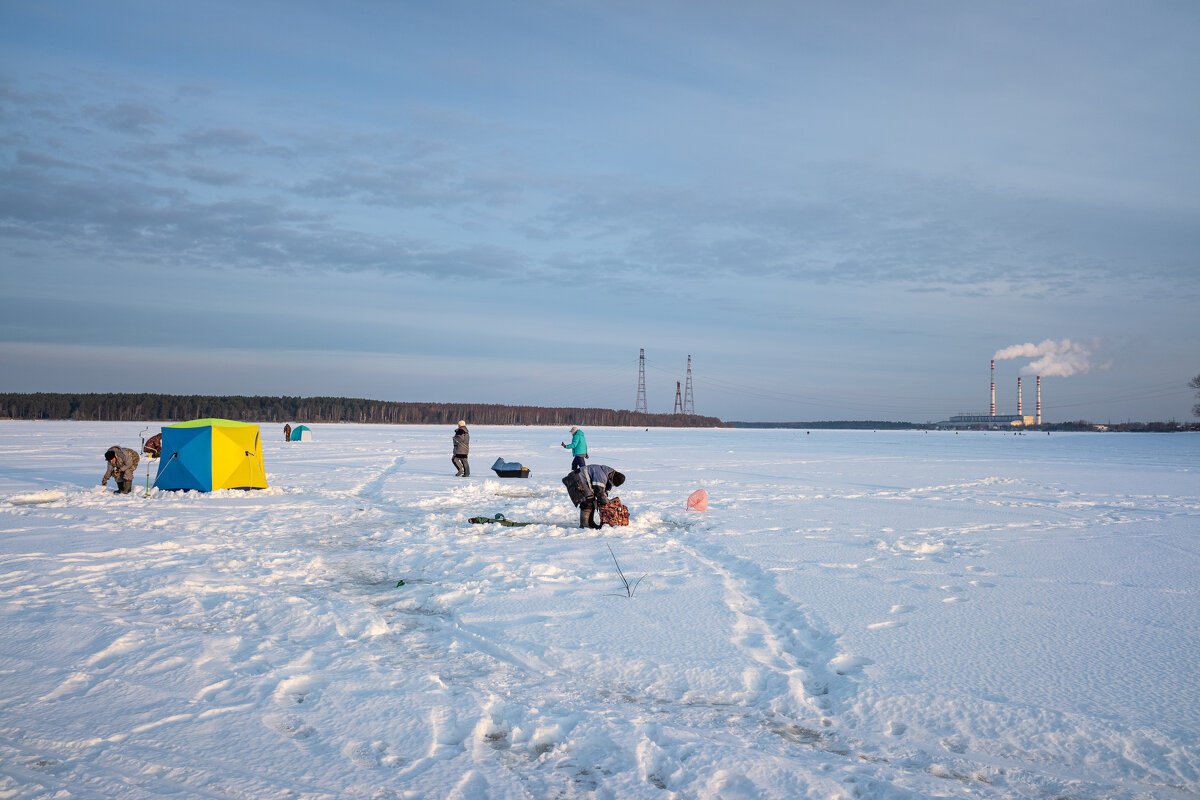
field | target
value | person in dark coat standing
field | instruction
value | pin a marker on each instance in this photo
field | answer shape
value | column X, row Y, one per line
column 122, row 464
column 599, row 479
column 462, row 446
column 287, row 431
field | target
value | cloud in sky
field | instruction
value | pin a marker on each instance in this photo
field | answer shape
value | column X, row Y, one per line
column 811, row 201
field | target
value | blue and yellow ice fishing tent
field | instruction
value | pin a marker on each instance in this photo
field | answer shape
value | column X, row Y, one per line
column 208, row 454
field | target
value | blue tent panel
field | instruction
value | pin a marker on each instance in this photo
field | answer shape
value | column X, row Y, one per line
column 186, row 459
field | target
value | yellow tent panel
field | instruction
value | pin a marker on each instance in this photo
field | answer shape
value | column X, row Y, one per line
column 237, row 461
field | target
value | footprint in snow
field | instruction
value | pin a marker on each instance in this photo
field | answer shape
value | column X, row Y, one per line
column 363, row 754
column 290, row 726
column 295, row 689
column 656, row 764
column 848, row 664
column 732, row 786
column 447, row 735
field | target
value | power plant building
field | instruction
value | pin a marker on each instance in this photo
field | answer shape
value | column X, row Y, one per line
column 987, row 421
column 993, row 420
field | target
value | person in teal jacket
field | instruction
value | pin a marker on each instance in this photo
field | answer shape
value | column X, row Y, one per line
column 578, row 447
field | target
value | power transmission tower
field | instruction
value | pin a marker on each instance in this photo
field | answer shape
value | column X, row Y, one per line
column 689, row 403
column 678, row 400
column 641, row 396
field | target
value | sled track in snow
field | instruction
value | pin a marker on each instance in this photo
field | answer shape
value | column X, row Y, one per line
column 773, row 631
column 372, row 490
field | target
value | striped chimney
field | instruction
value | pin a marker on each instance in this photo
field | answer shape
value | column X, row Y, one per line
column 1039, row 400
column 1018, row 395
column 993, row 387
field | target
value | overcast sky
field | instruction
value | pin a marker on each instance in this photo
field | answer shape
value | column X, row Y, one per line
column 840, row 210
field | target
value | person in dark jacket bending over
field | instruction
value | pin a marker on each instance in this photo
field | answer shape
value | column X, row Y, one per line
column 600, row 479
column 462, row 446
column 122, row 464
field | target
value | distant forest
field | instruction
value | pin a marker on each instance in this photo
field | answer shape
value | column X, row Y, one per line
column 176, row 408
column 844, row 425
column 1078, row 425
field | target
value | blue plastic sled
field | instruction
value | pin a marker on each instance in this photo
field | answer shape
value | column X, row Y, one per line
column 510, row 469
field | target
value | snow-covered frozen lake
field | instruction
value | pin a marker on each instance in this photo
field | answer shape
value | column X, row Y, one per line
column 857, row 615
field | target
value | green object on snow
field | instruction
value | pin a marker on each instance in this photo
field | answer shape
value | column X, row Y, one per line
column 399, row 583
column 499, row 519
column 211, row 422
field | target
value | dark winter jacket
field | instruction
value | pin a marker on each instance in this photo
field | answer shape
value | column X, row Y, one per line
column 462, row 442
column 599, row 480
column 600, row 475
column 123, row 464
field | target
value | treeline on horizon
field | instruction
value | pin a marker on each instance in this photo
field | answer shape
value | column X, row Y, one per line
column 842, row 425
column 118, row 407
column 177, row 408
column 1075, row 425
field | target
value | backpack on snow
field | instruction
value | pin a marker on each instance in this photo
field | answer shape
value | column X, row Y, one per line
column 576, row 488
column 615, row 513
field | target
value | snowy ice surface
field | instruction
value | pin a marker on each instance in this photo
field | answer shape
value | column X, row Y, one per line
column 857, row 615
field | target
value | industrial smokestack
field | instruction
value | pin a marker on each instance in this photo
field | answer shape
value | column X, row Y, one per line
column 993, row 387
column 1039, row 400
column 1018, row 395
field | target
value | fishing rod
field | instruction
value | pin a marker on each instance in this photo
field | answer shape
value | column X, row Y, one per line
column 142, row 434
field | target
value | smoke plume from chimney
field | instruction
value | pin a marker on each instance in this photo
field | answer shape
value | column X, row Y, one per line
column 1053, row 359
